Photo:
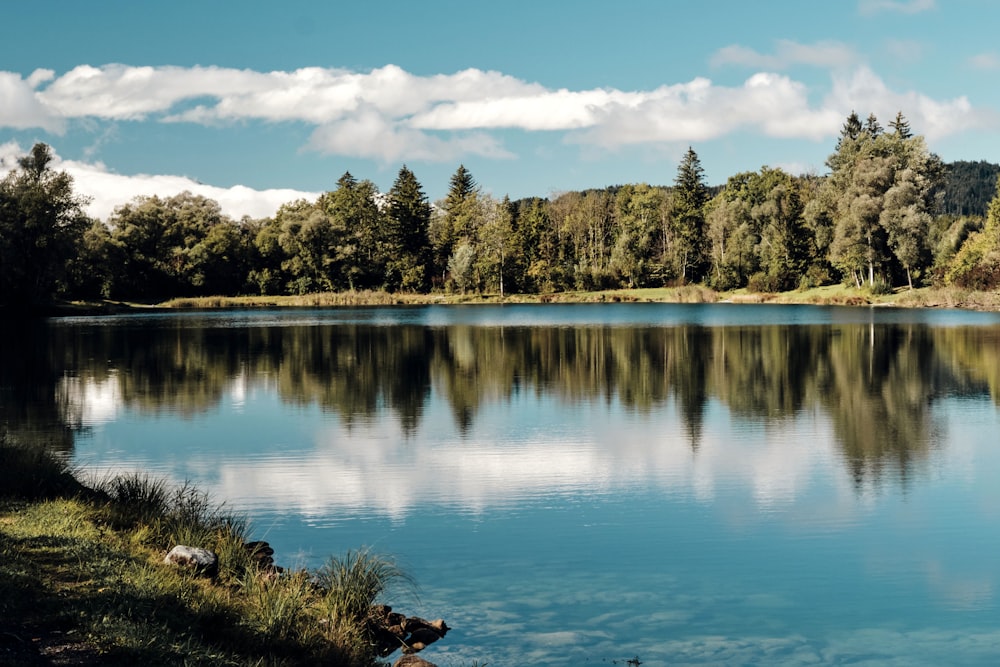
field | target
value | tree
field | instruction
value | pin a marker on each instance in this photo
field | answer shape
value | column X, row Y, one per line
column 882, row 191
column 688, row 216
column 900, row 126
column 408, row 247
column 634, row 255
column 461, row 266
column 163, row 242
column 495, row 239
column 357, row 229
column 458, row 220
column 306, row 238
column 41, row 225
column 977, row 263
column 536, row 246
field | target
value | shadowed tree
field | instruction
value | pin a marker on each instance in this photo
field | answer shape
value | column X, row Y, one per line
column 41, row 225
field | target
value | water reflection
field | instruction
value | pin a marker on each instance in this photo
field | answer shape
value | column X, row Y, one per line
column 698, row 490
column 876, row 384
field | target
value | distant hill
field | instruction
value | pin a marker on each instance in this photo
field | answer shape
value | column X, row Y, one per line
column 969, row 187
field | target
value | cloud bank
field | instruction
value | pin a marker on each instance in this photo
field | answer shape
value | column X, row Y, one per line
column 107, row 190
column 391, row 115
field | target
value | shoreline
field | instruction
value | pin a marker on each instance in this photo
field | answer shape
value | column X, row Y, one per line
column 830, row 295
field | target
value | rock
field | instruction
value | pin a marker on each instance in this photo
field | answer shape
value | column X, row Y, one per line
column 424, row 636
column 391, row 631
column 412, row 661
column 201, row 561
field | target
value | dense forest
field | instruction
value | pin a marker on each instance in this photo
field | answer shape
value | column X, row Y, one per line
column 889, row 213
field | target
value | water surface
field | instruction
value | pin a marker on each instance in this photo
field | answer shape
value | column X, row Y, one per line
column 585, row 484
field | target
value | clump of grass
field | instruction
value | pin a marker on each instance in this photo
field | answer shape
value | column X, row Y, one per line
column 135, row 499
column 279, row 605
column 355, row 581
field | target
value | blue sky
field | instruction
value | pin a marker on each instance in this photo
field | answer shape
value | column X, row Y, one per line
column 255, row 103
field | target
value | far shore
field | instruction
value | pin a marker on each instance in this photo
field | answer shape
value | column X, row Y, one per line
column 830, row 295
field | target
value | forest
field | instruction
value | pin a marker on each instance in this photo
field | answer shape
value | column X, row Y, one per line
column 888, row 214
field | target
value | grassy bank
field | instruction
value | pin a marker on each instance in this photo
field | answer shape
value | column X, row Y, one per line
column 925, row 297
column 83, row 582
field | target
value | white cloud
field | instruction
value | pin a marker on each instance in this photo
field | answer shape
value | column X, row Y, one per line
column 989, row 60
column 902, row 6
column 772, row 104
column 829, row 54
column 391, row 115
column 21, row 108
column 107, row 190
column 865, row 92
column 370, row 134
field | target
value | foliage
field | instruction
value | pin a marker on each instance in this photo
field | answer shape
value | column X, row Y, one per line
column 874, row 216
column 976, row 265
column 969, row 187
column 880, row 197
column 41, row 226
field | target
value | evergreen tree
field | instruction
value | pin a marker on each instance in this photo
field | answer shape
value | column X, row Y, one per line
column 872, row 126
column 407, row 241
column 850, row 131
column 356, row 222
column 901, row 126
column 688, row 215
column 460, row 219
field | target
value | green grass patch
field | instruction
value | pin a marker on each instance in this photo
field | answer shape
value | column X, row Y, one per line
column 82, row 569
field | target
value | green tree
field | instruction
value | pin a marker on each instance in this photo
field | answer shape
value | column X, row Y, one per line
column 535, row 245
column 166, row 252
column 462, row 266
column 408, row 246
column 977, row 263
column 882, row 191
column 41, row 225
column 688, row 218
column 634, row 256
column 496, row 237
column 306, row 237
column 356, row 231
column 266, row 256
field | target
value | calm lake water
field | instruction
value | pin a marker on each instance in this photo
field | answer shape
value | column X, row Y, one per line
column 585, row 484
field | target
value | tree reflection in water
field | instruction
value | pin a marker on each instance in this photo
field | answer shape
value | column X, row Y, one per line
column 876, row 383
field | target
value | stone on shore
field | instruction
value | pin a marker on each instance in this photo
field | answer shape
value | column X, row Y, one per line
column 201, row 561
column 412, row 661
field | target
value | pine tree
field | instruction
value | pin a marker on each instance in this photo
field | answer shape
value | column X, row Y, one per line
column 409, row 249
column 872, row 127
column 688, row 214
column 901, row 126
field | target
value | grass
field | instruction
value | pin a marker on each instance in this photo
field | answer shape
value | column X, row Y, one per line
column 81, row 575
column 924, row 297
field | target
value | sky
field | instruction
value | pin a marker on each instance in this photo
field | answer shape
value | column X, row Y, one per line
column 258, row 103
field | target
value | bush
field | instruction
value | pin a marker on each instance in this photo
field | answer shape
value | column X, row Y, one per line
column 763, row 282
column 880, row 286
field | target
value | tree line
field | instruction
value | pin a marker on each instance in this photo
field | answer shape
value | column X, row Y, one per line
column 874, row 220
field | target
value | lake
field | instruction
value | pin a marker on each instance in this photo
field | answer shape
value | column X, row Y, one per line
column 578, row 484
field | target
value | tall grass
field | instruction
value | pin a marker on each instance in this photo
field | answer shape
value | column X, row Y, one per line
column 355, row 581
